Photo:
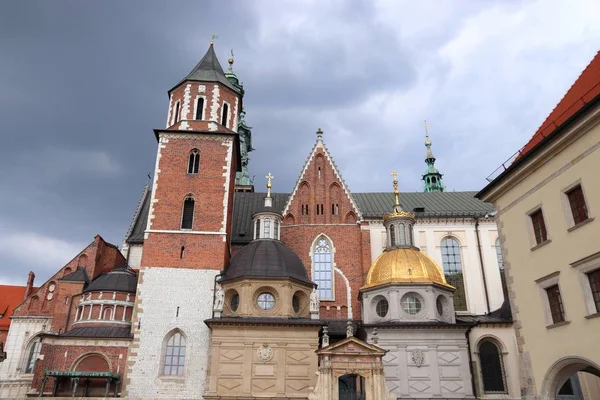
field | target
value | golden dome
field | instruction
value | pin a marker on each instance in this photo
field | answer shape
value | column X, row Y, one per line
column 405, row 265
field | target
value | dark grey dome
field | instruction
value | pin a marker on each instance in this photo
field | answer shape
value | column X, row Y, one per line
column 266, row 259
column 117, row 280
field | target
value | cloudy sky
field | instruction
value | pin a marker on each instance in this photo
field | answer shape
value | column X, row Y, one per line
column 84, row 83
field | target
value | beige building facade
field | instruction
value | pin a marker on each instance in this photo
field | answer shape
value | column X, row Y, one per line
column 547, row 202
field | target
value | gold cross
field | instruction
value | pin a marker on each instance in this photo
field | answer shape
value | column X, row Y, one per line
column 396, row 194
column 269, row 177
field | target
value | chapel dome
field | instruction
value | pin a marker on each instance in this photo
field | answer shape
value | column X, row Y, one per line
column 266, row 258
column 117, row 280
column 404, row 265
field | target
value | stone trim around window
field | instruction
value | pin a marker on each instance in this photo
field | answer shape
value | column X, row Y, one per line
column 585, row 266
column 584, row 222
column 544, row 283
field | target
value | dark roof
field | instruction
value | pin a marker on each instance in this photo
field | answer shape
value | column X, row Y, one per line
column 245, row 204
column 136, row 234
column 266, row 321
column 209, row 70
column 424, row 324
column 99, row 332
column 503, row 315
column 265, row 258
column 434, row 204
column 79, row 275
column 117, row 280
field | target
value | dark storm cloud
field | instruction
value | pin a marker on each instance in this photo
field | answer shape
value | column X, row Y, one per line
column 83, row 85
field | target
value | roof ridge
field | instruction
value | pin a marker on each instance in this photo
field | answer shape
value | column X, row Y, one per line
column 136, row 213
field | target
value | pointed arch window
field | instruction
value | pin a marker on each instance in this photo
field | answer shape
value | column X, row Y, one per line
column 174, row 359
column 194, row 162
column 225, row 115
column 200, row 108
column 492, row 371
column 452, row 262
column 323, row 268
column 33, row 352
column 187, row 218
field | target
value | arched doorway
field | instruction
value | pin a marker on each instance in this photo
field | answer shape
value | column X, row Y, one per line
column 351, row 387
column 562, row 371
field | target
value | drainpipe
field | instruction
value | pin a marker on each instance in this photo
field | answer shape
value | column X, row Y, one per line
column 485, row 288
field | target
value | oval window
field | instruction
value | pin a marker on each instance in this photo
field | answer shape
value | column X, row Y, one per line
column 382, row 307
column 439, row 303
column 234, row 303
column 411, row 304
column 266, row 301
column 296, row 303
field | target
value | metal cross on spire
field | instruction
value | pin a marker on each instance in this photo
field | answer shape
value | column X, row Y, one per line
column 396, row 194
column 269, row 178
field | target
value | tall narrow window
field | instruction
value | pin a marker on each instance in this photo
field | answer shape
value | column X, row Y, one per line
column 392, row 236
column 225, row 114
column 594, row 278
column 539, row 226
column 257, row 232
column 194, row 162
column 187, row 218
column 451, row 259
column 401, row 235
column 577, row 203
column 200, row 109
column 276, row 226
column 174, row 355
column 556, row 305
column 323, row 269
column 267, row 228
column 492, row 371
column 176, row 113
column 32, row 355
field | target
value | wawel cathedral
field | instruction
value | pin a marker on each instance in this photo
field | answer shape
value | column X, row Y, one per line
column 222, row 292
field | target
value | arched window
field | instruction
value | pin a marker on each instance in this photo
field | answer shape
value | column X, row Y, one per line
column 401, row 235
column 225, row 114
column 392, row 236
column 323, row 268
column 492, row 371
column 501, row 266
column 107, row 314
column 452, row 262
column 193, row 162
column 200, row 108
column 33, row 351
column 176, row 114
column 174, row 354
column 187, row 218
column 257, row 232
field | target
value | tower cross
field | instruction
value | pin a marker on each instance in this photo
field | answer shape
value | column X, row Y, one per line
column 396, row 194
column 269, row 185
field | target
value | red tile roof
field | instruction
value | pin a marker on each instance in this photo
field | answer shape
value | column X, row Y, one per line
column 10, row 297
column 584, row 90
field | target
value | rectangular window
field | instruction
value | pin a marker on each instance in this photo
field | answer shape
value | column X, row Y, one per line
column 539, row 226
column 577, row 203
column 267, row 228
column 594, row 278
column 556, row 304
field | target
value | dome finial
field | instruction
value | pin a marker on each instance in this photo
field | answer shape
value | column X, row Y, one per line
column 319, row 134
column 269, row 185
column 396, row 193
column 212, row 39
column 230, row 61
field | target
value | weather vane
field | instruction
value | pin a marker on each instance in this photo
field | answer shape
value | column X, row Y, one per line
column 426, row 128
column 214, row 36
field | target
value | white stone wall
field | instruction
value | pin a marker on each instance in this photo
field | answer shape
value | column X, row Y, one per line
column 160, row 291
column 14, row 383
column 428, row 235
column 444, row 371
column 134, row 256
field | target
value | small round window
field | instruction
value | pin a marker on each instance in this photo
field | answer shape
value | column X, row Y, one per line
column 411, row 304
column 439, row 303
column 234, row 303
column 382, row 307
column 296, row 303
column 266, row 301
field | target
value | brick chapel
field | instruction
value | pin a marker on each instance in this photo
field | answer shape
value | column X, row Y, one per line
column 223, row 292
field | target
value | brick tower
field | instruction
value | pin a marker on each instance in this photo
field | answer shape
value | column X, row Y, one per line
column 187, row 236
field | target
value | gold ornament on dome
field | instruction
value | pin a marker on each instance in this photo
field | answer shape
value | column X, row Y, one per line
column 405, row 265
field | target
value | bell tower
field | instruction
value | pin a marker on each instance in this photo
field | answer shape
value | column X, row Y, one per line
column 432, row 178
column 187, row 236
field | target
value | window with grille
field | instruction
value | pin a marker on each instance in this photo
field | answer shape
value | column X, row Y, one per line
column 452, row 262
column 187, row 218
column 556, row 305
column 193, row 162
column 174, row 355
column 225, row 114
column 577, row 203
column 323, row 269
column 492, row 371
column 594, row 278
column 200, row 108
column 32, row 355
column 539, row 226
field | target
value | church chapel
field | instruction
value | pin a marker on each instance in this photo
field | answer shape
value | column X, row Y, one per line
column 220, row 291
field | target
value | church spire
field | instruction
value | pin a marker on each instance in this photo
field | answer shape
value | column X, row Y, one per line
column 432, row 177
